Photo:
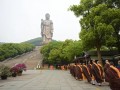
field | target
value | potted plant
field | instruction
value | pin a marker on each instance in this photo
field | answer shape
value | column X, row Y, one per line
column 21, row 67
column 14, row 70
column 4, row 72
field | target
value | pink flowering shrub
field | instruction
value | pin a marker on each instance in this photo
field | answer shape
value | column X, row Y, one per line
column 14, row 69
column 19, row 67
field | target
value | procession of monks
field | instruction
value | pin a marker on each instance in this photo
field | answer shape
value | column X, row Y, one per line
column 95, row 74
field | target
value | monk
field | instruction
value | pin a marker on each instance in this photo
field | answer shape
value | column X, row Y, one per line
column 101, row 69
column 78, row 72
column 106, row 66
column 72, row 69
column 74, row 65
column 65, row 67
column 96, row 73
column 114, row 77
column 118, row 67
column 86, row 73
column 62, row 67
column 90, row 68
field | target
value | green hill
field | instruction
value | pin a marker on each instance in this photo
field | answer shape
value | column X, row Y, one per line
column 1, row 42
column 35, row 41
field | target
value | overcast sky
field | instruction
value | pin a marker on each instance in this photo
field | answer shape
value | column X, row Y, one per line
column 20, row 19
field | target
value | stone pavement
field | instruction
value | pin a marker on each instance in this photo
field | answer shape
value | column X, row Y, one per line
column 47, row 80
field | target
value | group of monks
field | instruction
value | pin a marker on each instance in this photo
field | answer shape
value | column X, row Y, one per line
column 96, row 74
column 62, row 67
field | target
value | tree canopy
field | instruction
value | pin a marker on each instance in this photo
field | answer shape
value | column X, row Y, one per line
column 9, row 50
column 99, row 23
column 58, row 52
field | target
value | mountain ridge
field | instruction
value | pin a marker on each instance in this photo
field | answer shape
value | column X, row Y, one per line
column 35, row 41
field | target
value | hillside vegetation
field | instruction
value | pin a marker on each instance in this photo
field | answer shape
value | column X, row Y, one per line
column 35, row 41
column 9, row 50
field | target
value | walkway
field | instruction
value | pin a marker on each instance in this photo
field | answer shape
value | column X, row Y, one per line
column 47, row 80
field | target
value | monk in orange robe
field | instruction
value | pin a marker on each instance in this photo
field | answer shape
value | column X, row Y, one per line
column 90, row 68
column 71, row 69
column 118, row 66
column 86, row 73
column 101, row 69
column 106, row 66
column 78, row 72
column 114, row 77
column 96, row 73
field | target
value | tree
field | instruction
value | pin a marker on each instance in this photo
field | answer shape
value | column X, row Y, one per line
column 54, row 56
column 112, row 17
column 48, row 51
column 8, row 50
column 95, row 32
column 73, row 49
column 61, row 52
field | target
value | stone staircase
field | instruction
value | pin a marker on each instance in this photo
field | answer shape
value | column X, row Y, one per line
column 31, row 59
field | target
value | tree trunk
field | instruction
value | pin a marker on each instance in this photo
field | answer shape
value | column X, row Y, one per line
column 118, row 41
column 99, row 55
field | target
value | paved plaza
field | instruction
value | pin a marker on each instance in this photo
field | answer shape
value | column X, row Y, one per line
column 47, row 80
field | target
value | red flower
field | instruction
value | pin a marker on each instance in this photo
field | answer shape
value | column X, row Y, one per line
column 14, row 69
column 21, row 67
